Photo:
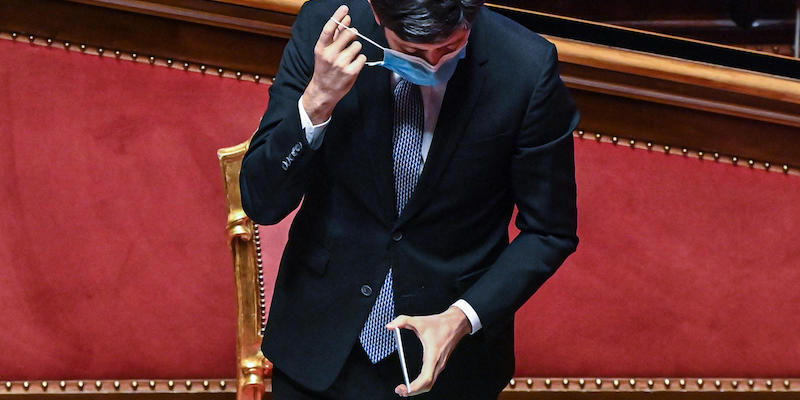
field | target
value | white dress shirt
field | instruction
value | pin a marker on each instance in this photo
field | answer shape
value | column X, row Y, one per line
column 432, row 103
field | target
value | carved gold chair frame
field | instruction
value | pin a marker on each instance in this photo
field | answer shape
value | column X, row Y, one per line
column 253, row 368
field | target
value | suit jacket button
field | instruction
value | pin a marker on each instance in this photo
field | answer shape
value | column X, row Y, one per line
column 366, row 290
column 397, row 236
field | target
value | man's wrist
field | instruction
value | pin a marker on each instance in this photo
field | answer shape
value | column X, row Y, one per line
column 316, row 105
column 460, row 319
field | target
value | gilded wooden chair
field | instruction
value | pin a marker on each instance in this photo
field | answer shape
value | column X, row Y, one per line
column 254, row 370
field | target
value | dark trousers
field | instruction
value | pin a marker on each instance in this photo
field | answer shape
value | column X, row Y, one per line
column 362, row 380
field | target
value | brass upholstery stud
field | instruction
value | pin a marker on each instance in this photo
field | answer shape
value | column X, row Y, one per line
column 203, row 68
column 649, row 145
column 117, row 53
column 44, row 385
column 682, row 382
column 80, row 385
column 171, row 384
column 786, row 383
column 735, row 384
column 98, row 384
column 548, row 382
column 667, row 382
column 238, row 74
column 169, row 62
column 633, row 143
column 49, row 41
column 632, row 382
column 684, row 150
column 785, row 168
column 14, row 35
column 565, row 382
column 62, row 385
column 220, row 71
column 222, row 384
column 26, row 385
column 152, row 60
column 67, row 44
column 717, row 383
column 700, row 382
column 716, row 156
column 100, row 51
column 769, row 383
column 767, row 165
column 83, row 47
column 666, row 149
column 750, row 383
column 186, row 65
column 116, row 385
column 512, row 382
column 134, row 55
column 735, row 159
column 650, row 383
column 188, row 384
column 581, row 382
column 152, row 385
column 598, row 136
column 598, row 382
column 751, row 163
column 529, row 382
column 134, row 385
column 31, row 38
column 700, row 154
column 257, row 78
column 616, row 383
column 614, row 139
column 205, row 385
column 581, row 133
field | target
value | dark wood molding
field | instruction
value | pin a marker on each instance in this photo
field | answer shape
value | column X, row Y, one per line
column 519, row 388
column 164, row 37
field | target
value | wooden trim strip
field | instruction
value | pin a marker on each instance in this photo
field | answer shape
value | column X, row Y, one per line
column 677, row 70
column 284, row 6
column 696, row 103
column 197, row 16
column 126, row 386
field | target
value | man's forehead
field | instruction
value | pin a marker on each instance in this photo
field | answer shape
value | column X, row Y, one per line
column 457, row 37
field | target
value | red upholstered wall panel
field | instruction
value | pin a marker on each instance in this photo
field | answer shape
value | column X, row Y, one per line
column 114, row 261
column 685, row 268
column 113, row 254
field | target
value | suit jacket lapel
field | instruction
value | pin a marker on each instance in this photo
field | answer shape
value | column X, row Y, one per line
column 375, row 106
column 461, row 96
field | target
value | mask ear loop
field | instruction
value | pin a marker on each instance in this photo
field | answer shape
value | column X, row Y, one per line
column 369, row 63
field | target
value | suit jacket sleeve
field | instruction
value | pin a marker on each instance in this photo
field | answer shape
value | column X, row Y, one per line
column 276, row 168
column 543, row 184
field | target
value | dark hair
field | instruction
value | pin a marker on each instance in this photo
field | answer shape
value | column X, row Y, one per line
column 425, row 21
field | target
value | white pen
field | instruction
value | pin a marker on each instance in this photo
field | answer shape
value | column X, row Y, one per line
column 402, row 357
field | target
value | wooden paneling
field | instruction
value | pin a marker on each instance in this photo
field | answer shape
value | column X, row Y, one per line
column 164, row 36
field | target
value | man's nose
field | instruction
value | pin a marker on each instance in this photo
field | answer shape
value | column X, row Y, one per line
column 433, row 56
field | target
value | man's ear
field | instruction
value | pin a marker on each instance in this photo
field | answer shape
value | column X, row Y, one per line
column 377, row 20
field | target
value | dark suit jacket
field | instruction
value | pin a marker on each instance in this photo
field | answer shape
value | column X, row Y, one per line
column 503, row 138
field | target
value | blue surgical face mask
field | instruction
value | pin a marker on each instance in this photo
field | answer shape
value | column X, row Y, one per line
column 415, row 69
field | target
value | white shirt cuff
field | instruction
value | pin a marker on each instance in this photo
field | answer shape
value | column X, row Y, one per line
column 314, row 133
column 472, row 316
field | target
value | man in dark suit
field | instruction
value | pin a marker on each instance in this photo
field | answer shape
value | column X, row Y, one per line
column 408, row 175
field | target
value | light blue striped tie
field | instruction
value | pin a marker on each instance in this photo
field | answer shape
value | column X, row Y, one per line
column 409, row 117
